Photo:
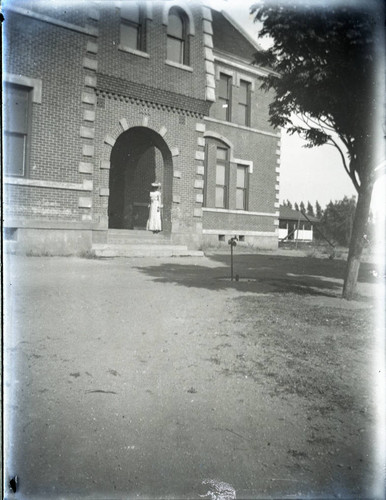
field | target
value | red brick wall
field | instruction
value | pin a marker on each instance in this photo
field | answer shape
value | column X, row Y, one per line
column 237, row 222
column 55, row 55
column 153, row 71
column 43, row 51
column 261, row 150
column 182, row 137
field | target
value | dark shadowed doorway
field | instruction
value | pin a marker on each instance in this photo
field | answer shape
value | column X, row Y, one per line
column 139, row 157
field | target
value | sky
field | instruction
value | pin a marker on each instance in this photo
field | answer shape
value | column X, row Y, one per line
column 306, row 174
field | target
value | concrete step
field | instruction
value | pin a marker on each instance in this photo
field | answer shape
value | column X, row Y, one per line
column 122, row 240
column 136, row 237
column 144, row 250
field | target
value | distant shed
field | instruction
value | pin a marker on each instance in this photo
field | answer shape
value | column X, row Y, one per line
column 294, row 226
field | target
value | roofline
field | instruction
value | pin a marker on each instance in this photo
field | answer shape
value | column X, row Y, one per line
column 261, row 70
column 242, row 31
column 315, row 221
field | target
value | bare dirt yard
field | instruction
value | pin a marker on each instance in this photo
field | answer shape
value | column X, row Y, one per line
column 161, row 378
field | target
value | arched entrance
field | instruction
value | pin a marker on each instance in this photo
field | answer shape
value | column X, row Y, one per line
column 139, row 157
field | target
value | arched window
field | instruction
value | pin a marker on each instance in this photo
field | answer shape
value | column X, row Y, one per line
column 177, row 38
column 133, row 27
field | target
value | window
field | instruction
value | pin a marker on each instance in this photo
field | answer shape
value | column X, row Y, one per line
column 17, row 110
column 177, row 49
column 224, row 94
column 221, row 197
column 133, row 33
column 244, row 103
column 242, row 188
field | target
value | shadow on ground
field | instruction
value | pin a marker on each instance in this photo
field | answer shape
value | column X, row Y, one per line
column 262, row 274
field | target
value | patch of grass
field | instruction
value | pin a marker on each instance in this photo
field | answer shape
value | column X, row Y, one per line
column 38, row 253
column 87, row 254
column 293, row 348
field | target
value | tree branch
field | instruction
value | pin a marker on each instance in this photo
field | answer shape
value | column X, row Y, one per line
column 350, row 171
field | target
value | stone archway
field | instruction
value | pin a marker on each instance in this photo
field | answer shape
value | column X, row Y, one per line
column 139, row 157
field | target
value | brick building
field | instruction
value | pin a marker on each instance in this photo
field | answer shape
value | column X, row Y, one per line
column 102, row 100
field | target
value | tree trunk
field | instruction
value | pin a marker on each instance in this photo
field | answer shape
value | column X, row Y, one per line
column 357, row 241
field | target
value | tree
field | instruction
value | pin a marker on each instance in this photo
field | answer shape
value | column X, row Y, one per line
column 310, row 209
column 337, row 220
column 289, row 204
column 296, row 206
column 302, row 208
column 318, row 210
column 324, row 59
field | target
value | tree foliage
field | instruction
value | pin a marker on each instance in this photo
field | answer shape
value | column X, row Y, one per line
column 310, row 209
column 337, row 220
column 323, row 58
column 324, row 66
column 318, row 210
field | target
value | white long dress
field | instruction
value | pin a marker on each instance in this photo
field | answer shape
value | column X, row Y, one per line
column 154, row 221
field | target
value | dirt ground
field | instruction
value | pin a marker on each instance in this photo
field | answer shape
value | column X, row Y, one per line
column 161, row 378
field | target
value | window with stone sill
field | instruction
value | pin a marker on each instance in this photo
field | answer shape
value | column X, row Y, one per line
column 17, row 109
column 242, row 187
column 177, row 48
column 222, row 178
column 244, row 103
column 224, row 97
column 133, row 27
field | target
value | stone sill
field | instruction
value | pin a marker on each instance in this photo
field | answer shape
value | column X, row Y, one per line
column 20, row 181
column 135, row 52
column 178, row 65
column 239, row 212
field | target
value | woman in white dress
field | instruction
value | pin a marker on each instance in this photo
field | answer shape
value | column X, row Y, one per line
column 154, row 221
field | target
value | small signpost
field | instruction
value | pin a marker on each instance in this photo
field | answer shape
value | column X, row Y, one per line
column 232, row 242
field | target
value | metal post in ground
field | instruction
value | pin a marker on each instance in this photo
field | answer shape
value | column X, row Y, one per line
column 232, row 243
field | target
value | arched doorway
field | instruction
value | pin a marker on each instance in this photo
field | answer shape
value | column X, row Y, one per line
column 139, row 157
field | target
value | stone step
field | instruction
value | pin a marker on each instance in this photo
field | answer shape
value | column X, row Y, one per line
column 126, row 240
column 114, row 250
column 125, row 236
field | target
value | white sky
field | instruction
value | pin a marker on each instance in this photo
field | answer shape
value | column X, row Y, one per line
column 307, row 174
